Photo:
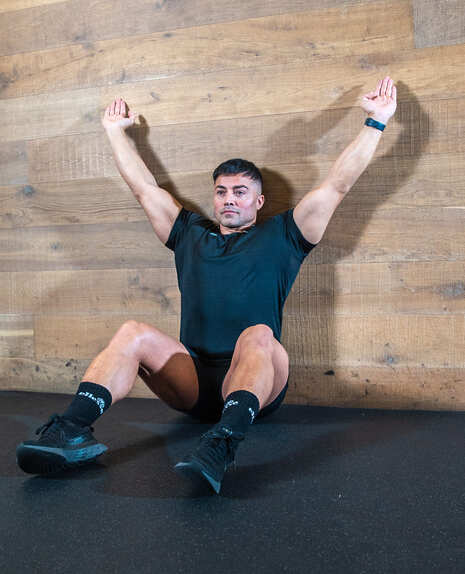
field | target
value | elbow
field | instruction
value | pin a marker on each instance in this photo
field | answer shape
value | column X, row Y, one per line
column 137, row 192
column 341, row 186
column 142, row 190
column 345, row 188
column 340, row 183
column 140, row 194
column 344, row 184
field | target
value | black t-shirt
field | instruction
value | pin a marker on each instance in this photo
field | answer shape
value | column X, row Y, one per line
column 230, row 282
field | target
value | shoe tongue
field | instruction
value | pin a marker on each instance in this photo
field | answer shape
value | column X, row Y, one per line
column 227, row 433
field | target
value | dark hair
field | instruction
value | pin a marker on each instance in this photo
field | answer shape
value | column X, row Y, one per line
column 237, row 165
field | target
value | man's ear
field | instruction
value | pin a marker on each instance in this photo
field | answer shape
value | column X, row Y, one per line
column 260, row 201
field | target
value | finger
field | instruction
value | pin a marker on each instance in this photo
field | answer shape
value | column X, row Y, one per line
column 394, row 93
column 112, row 109
column 123, row 108
column 384, row 86
column 382, row 89
column 118, row 107
column 389, row 88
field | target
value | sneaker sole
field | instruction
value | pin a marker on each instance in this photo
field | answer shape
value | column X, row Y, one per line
column 197, row 476
column 45, row 460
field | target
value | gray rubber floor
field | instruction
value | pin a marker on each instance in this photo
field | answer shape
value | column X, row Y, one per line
column 316, row 490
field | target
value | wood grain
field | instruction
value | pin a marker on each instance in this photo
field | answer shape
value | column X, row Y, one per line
column 431, row 288
column 410, row 287
column 356, row 387
column 395, row 387
column 438, row 22
column 16, row 336
column 370, row 340
column 379, row 236
column 75, row 21
column 431, row 180
column 13, row 5
column 13, row 163
column 29, row 374
column 82, row 247
column 307, row 138
column 376, row 340
column 52, row 376
column 100, row 200
column 376, row 315
column 85, row 336
column 153, row 292
column 251, row 43
column 335, row 83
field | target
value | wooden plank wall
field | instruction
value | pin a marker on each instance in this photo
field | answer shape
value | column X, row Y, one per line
column 376, row 317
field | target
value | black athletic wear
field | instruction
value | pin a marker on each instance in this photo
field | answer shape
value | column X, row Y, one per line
column 90, row 402
column 213, row 456
column 230, row 282
column 62, row 444
column 210, row 374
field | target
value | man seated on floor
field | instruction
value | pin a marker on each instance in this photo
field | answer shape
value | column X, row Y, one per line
column 229, row 366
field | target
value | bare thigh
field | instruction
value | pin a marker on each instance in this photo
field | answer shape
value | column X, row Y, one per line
column 167, row 368
column 280, row 360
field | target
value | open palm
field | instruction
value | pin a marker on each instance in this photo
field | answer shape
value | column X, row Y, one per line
column 382, row 102
column 117, row 114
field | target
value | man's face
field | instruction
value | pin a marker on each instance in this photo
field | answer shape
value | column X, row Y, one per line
column 236, row 202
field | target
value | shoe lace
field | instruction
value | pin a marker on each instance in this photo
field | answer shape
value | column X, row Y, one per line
column 52, row 420
column 218, row 445
column 57, row 420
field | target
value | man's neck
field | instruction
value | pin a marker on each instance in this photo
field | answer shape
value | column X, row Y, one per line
column 229, row 230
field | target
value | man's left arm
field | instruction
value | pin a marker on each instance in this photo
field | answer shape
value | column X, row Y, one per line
column 314, row 211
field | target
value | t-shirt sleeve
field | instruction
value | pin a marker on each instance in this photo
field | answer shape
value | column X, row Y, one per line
column 294, row 236
column 180, row 228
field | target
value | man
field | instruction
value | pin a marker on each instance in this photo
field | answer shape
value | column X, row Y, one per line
column 234, row 277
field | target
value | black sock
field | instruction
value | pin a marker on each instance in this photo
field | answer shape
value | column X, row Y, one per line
column 239, row 411
column 90, row 402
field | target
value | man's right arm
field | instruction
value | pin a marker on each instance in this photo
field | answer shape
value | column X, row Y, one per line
column 160, row 206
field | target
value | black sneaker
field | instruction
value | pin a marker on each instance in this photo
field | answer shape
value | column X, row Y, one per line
column 211, row 459
column 62, row 444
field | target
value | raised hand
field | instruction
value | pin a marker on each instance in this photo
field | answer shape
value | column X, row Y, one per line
column 118, row 115
column 381, row 103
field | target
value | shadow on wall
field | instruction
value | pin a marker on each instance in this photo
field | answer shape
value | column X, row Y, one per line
column 382, row 179
column 277, row 189
column 411, row 142
column 297, row 139
column 139, row 133
column 354, row 214
column 300, row 139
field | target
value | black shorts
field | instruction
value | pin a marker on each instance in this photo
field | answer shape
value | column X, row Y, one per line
column 211, row 374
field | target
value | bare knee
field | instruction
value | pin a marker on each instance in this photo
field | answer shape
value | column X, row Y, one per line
column 129, row 330
column 129, row 337
column 257, row 335
column 260, row 339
